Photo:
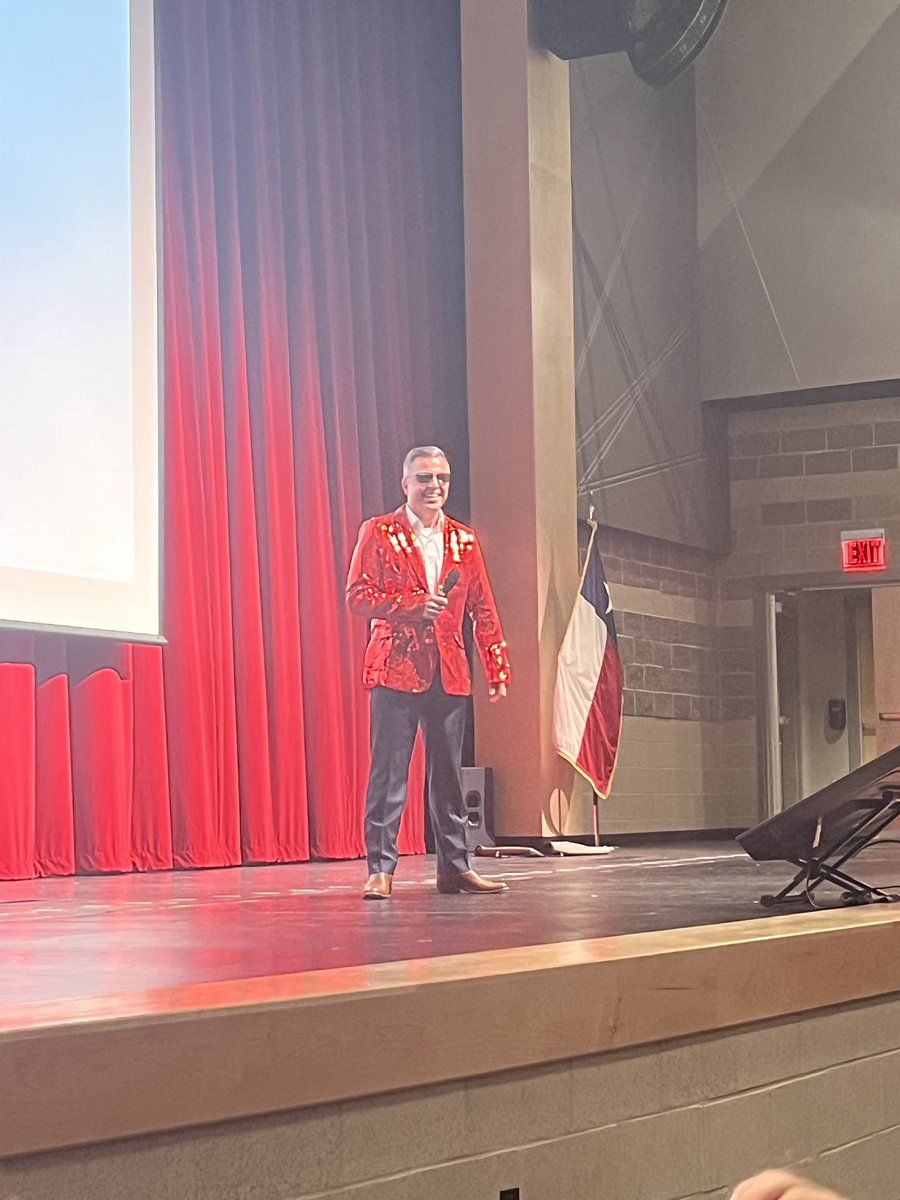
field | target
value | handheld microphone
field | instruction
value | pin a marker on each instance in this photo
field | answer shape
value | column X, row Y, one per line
column 450, row 582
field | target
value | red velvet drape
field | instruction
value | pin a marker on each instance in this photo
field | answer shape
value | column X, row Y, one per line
column 314, row 330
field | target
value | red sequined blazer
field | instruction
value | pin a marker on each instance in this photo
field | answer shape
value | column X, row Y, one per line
column 387, row 583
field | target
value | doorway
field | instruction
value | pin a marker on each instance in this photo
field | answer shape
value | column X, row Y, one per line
column 833, row 688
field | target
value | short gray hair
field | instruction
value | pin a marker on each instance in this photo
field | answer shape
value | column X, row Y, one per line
column 420, row 452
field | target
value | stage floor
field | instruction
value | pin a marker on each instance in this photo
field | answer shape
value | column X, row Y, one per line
column 67, row 938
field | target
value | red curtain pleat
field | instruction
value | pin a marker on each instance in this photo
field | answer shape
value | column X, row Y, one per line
column 102, row 758
column 151, row 829
column 198, row 619
column 17, row 778
column 313, row 315
column 54, row 850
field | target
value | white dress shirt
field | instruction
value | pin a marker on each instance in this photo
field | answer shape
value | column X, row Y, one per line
column 431, row 543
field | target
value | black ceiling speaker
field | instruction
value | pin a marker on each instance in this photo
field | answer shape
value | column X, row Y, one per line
column 661, row 37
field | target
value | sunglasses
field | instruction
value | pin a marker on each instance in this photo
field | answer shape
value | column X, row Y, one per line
column 424, row 477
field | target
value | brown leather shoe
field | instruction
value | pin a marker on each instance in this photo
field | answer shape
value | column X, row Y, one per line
column 378, row 886
column 469, row 881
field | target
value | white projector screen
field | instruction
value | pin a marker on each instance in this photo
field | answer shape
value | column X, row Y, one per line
column 79, row 409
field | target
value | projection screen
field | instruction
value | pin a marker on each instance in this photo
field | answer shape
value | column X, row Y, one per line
column 79, row 346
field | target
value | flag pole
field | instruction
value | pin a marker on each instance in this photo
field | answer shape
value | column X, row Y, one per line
column 596, row 798
column 595, row 801
column 567, row 847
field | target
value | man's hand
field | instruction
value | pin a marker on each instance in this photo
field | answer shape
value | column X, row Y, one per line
column 496, row 691
column 433, row 607
column 781, row 1185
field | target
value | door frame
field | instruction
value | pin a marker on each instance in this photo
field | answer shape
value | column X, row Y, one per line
column 768, row 732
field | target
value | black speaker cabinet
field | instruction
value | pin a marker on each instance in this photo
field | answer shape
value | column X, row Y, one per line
column 581, row 28
column 661, row 37
column 478, row 792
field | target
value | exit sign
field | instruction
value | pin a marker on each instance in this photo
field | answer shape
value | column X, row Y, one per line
column 863, row 550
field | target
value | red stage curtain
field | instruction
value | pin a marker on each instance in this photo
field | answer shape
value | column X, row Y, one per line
column 314, row 330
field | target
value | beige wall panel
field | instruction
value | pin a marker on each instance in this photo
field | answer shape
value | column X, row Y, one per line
column 517, row 196
column 799, row 249
column 671, row 1121
column 680, row 775
column 626, row 597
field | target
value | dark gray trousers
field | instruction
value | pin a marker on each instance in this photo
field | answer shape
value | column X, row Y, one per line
column 395, row 717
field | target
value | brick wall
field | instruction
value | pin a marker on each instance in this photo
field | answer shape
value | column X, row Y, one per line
column 837, row 449
column 681, row 666
column 799, row 476
column 671, row 668
column 688, row 758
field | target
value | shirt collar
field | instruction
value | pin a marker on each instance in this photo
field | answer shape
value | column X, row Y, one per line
column 417, row 526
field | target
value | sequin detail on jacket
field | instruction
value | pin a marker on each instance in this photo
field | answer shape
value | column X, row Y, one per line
column 387, row 584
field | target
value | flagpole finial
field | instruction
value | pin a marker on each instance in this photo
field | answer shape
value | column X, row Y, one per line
column 591, row 508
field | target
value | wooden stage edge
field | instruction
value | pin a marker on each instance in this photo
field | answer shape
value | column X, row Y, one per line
column 88, row 1071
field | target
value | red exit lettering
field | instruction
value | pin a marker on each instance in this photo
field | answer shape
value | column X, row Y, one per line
column 864, row 554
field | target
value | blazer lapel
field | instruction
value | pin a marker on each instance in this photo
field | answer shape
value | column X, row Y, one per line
column 451, row 550
column 411, row 547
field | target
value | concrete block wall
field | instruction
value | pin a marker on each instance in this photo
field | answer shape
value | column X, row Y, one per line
column 799, row 476
column 665, row 599
column 688, row 758
column 683, row 775
column 680, row 1120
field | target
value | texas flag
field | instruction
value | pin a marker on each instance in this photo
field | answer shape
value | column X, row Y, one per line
column 587, row 704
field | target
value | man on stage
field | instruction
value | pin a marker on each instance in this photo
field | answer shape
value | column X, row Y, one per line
column 415, row 573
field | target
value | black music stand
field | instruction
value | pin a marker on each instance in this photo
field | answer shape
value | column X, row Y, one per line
column 828, row 829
